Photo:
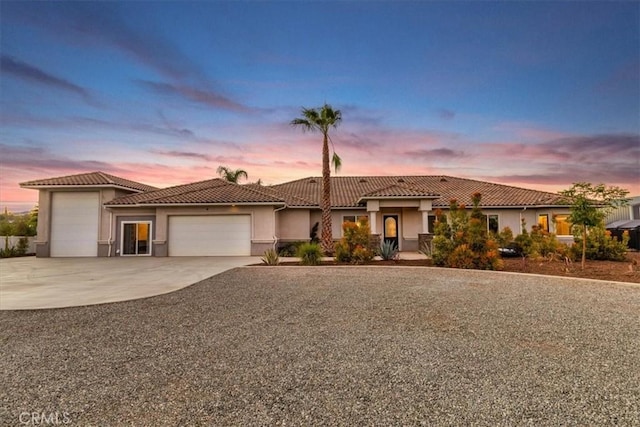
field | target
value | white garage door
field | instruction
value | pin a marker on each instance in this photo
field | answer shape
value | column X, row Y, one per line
column 216, row 235
column 74, row 224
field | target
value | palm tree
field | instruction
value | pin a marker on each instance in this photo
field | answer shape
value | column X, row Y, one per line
column 321, row 120
column 232, row 175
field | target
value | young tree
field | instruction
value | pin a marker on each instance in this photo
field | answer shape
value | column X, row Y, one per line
column 321, row 120
column 232, row 175
column 589, row 206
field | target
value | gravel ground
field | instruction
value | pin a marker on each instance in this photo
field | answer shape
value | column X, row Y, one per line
column 334, row 346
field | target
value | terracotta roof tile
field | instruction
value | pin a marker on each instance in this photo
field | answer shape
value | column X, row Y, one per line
column 91, row 179
column 398, row 190
column 213, row 191
column 348, row 191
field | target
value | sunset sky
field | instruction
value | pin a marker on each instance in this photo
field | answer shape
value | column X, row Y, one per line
column 532, row 94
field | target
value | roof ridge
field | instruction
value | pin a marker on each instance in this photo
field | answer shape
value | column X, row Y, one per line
column 255, row 190
column 186, row 191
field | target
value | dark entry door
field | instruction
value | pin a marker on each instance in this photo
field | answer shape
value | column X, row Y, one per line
column 391, row 229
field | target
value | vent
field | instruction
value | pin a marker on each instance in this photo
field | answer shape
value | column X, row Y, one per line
column 313, row 181
column 443, row 180
column 362, row 181
column 401, row 180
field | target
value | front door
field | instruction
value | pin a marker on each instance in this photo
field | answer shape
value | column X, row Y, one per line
column 391, row 229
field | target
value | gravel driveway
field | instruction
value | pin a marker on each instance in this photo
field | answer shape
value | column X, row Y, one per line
column 334, row 346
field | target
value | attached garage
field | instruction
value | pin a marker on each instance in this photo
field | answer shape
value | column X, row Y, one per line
column 74, row 224
column 212, row 235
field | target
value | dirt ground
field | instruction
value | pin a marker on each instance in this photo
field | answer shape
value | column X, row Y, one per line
column 617, row 271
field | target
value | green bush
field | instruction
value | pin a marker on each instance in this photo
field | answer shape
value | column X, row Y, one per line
column 309, row 254
column 355, row 246
column 290, row 249
column 601, row 245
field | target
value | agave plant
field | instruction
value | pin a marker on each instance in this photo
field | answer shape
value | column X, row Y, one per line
column 388, row 250
column 271, row 257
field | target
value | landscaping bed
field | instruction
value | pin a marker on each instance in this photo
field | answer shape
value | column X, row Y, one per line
column 618, row 271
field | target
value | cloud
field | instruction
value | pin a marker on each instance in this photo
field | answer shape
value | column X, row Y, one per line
column 38, row 159
column 95, row 23
column 436, row 153
column 613, row 159
column 445, row 114
column 183, row 154
column 24, row 71
column 200, row 96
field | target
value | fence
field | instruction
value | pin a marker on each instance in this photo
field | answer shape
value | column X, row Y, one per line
column 13, row 242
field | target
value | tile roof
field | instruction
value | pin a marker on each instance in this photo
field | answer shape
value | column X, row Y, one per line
column 90, row 179
column 212, row 191
column 398, row 190
column 348, row 191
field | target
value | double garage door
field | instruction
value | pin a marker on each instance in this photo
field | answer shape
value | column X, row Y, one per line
column 215, row 235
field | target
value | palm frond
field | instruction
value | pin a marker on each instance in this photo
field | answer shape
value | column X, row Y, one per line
column 336, row 161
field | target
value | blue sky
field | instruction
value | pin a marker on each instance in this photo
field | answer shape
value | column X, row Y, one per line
column 533, row 94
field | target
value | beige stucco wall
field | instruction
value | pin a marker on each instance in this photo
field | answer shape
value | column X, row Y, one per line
column 293, row 224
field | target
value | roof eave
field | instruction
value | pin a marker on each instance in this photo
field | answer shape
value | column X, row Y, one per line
column 365, row 198
column 153, row 205
column 80, row 186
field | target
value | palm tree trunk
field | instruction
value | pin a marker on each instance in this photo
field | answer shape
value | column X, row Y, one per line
column 326, row 234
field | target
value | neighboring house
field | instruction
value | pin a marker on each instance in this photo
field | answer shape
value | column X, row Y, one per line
column 626, row 218
column 625, row 213
column 97, row 214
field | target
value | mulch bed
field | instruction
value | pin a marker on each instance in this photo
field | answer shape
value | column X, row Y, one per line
column 617, row 271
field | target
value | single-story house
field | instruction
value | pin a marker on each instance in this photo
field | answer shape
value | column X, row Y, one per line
column 97, row 214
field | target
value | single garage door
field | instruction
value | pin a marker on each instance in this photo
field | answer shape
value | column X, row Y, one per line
column 74, row 224
column 215, row 235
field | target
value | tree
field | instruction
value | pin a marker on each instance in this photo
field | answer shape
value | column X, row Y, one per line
column 589, row 206
column 232, row 175
column 322, row 120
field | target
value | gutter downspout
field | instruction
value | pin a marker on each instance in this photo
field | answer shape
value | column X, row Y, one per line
column 110, row 232
column 521, row 227
column 275, row 238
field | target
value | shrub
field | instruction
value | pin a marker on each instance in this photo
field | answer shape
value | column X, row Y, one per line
column 290, row 249
column 271, row 257
column 342, row 252
column 388, row 250
column 309, row 254
column 463, row 241
column 361, row 255
column 355, row 244
column 538, row 243
column 601, row 245
column 313, row 234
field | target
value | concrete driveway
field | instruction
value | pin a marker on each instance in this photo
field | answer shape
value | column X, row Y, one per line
column 33, row 283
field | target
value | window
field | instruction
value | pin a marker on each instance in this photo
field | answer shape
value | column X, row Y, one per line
column 563, row 226
column 136, row 238
column 543, row 222
column 432, row 224
column 355, row 218
column 493, row 224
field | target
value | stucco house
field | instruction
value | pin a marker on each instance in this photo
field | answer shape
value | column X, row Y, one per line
column 97, row 214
